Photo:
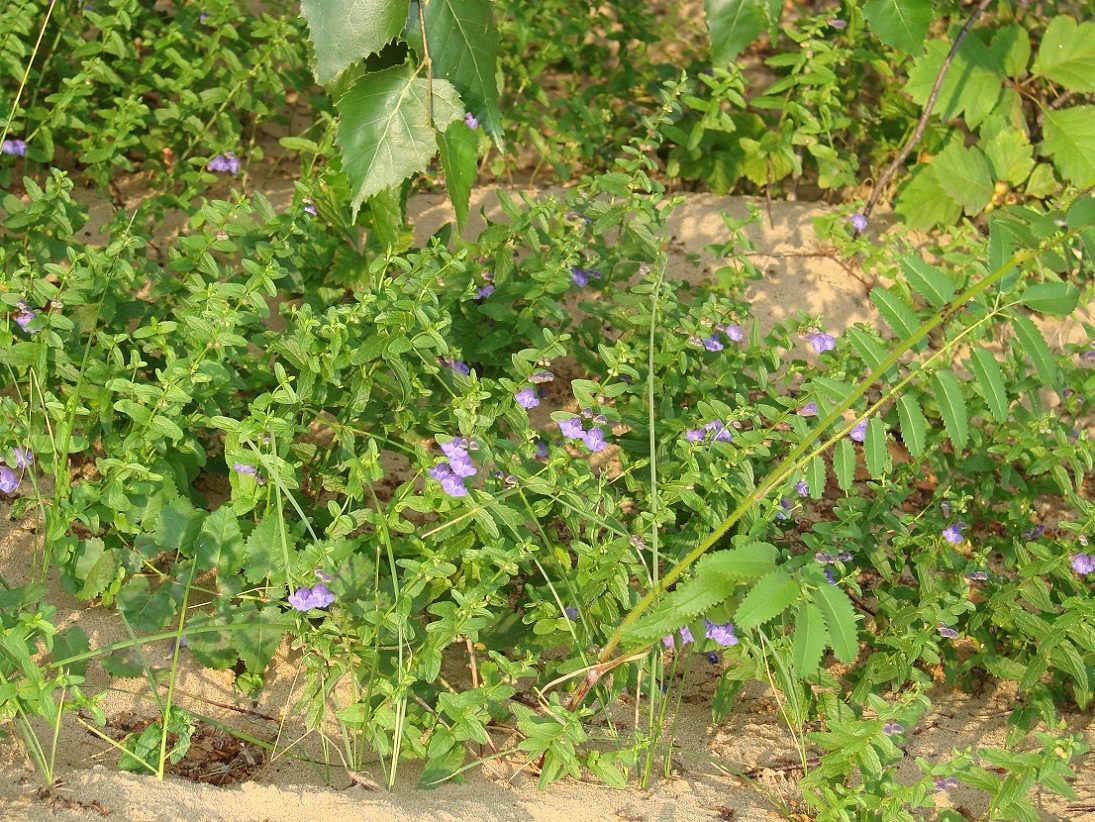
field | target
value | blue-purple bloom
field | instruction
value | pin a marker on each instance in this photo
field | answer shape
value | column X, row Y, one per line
column 1082, row 564
column 953, row 533
column 571, row 613
column 802, row 489
column 25, row 317
column 822, row 342
column 978, row 576
column 457, row 366
column 784, row 508
column 713, row 657
column 305, row 599
column 450, row 483
column 310, row 207
column 838, row 24
column 946, row 784
column 830, row 575
column 484, row 291
column 15, row 147
column 242, row 468
column 712, row 343
column 594, row 439
column 526, row 398
column 541, row 376
column 685, row 635
column 947, row 631
column 8, row 481
column 571, row 428
column 225, row 162
column 581, row 275
column 891, row 728
column 808, row 410
column 541, row 450
column 322, row 575
column 732, row 332
column 24, row 457
column 470, row 121
column 858, row 221
column 722, row 634
column 859, row 431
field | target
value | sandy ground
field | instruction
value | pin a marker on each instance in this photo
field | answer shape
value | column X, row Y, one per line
column 705, row 782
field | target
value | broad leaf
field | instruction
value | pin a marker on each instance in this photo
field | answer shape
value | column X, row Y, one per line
column 952, row 407
column 811, row 639
column 345, row 31
column 902, row 24
column 914, row 426
column 459, row 158
column 256, row 645
column 1051, row 298
column 1067, row 54
column 463, row 47
column 220, row 542
column 971, row 88
column 1070, row 141
column 965, row 176
column 766, row 600
column 923, row 201
column 733, row 25
column 840, row 620
column 1010, row 156
column 145, row 611
column 991, row 380
column 384, row 131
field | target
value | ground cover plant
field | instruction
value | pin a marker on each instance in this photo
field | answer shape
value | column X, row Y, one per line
column 533, row 455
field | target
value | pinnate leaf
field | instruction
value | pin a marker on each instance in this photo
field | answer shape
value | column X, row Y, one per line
column 1051, row 298
column 1034, row 344
column 900, row 317
column 991, row 380
column 345, row 31
column 811, row 639
column 876, row 453
column 767, row 599
column 740, row 564
column 840, row 620
column 928, row 281
column 844, row 464
column 914, row 427
column 952, row 407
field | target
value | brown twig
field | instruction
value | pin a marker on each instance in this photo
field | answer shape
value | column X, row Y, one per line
column 884, row 179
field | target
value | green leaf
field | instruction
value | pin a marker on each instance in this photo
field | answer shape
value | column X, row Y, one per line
column 952, row 407
column 900, row 317
column 902, row 24
column 991, row 380
column 733, row 25
column 384, row 132
column 220, row 542
column 739, row 564
column 145, row 611
column 876, row 453
column 815, row 477
column 914, row 426
column 1051, row 298
column 766, row 600
column 1034, row 344
column 690, row 598
column 345, row 31
column 256, row 646
column 840, row 620
column 928, row 281
column 97, row 568
column 463, row 45
column 1067, row 54
column 867, row 347
column 923, row 202
column 811, row 639
column 972, row 86
column 844, row 464
column 459, row 158
column 1010, row 156
column 1070, row 141
column 965, row 176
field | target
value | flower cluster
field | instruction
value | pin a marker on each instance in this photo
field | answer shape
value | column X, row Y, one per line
column 891, row 728
column 947, row 783
column 530, row 397
column 452, row 473
column 714, row 342
column 685, row 634
column 17, row 148
column 829, row 559
column 722, row 634
column 715, row 431
column 225, row 162
column 594, row 438
column 305, row 599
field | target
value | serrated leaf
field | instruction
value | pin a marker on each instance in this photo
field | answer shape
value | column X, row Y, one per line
column 1051, row 298
column 811, row 640
column 96, row 569
column 972, row 86
column 739, row 564
column 867, row 347
column 691, row 598
column 256, row 646
column 923, row 202
column 991, row 380
column 876, row 453
column 459, row 157
column 733, row 25
column 1034, row 344
column 839, row 616
column 384, row 133
column 345, row 31
column 893, row 309
column 766, row 600
column 844, row 464
column 145, row 611
column 1070, row 140
column 463, row 46
column 914, row 426
column 902, row 24
column 1010, row 156
column 965, row 176
column 1012, row 44
column 928, row 281
column 815, row 477
column 952, row 407
column 1067, row 54
column 220, row 542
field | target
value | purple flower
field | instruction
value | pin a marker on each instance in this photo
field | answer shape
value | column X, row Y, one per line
column 822, row 342
column 450, row 483
column 808, row 410
column 322, row 575
column 838, row 24
column 25, row 317
column 947, row 631
column 859, row 431
column 858, row 221
column 305, row 599
column 571, row 428
column 722, row 433
column 526, row 398
column 484, row 291
column 722, row 634
column 713, row 657
column 686, row 638
column 594, row 439
column 712, row 343
column 829, row 575
column 241, row 468
column 823, row 558
column 309, row 207
column 471, row 122
column 732, row 332
column 1081, row 563
column 456, row 365
column 203, row 17
column 803, row 489
column 571, row 613
column 695, row 435
column 891, row 728
column 953, row 533
column 8, row 481
column 541, row 376
column 16, row 147
column 946, row 784
column 24, row 457
column 225, row 162
column 978, row 576
column 843, row 556
column 1035, row 532
column 784, row 507
column 580, row 277
column 541, row 450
